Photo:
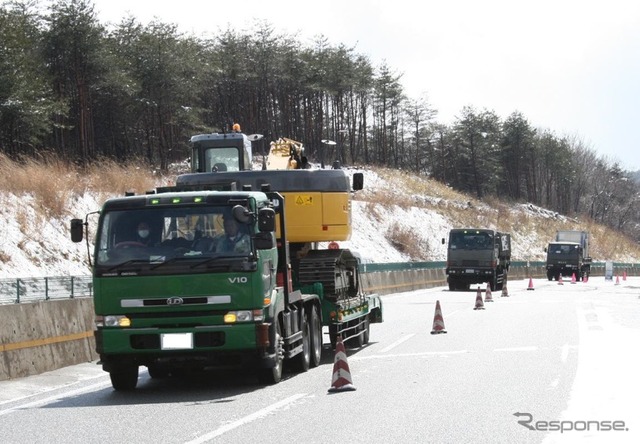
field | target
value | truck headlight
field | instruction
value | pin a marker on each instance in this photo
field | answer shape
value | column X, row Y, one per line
column 113, row 321
column 243, row 316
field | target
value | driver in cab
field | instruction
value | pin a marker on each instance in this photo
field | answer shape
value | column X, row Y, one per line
column 233, row 240
column 143, row 233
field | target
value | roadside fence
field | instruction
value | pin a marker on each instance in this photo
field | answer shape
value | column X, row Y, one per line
column 30, row 289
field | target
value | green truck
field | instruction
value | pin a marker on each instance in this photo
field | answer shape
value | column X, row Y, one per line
column 172, row 300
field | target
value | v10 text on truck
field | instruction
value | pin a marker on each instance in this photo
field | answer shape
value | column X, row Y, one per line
column 477, row 256
column 181, row 303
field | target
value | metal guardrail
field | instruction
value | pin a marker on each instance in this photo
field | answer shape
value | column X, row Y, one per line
column 15, row 291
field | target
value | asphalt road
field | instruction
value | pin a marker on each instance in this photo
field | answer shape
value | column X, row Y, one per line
column 558, row 363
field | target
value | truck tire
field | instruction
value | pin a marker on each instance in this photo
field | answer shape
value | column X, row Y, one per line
column 316, row 336
column 302, row 360
column 493, row 284
column 124, row 378
column 273, row 375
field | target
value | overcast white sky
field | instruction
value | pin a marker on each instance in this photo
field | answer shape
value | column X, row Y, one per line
column 569, row 66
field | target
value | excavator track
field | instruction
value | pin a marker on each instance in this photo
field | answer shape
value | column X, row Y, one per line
column 336, row 270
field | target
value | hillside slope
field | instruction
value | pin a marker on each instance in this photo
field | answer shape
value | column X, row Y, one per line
column 396, row 218
column 400, row 217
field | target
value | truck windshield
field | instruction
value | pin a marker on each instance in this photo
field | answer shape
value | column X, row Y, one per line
column 562, row 250
column 169, row 235
column 470, row 241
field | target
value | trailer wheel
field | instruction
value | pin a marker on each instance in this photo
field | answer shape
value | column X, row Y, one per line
column 302, row 360
column 124, row 378
column 316, row 336
column 273, row 375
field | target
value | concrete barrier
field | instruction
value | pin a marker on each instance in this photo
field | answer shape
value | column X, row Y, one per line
column 42, row 336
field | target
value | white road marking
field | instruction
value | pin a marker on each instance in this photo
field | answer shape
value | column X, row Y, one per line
column 405, row 355
column 398, row 342
column 516, row 349
column 56, row 397
column 247, row 419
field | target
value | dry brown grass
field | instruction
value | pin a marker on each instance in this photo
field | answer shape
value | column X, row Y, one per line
column 404, row 240
column 463, row 210
column 53, row 183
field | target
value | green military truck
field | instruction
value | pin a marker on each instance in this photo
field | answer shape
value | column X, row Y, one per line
column 475, row 256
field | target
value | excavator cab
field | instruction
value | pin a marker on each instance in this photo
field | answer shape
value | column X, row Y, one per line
column 215, row 152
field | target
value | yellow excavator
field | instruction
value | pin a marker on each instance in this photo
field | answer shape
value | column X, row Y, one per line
column 317, row 205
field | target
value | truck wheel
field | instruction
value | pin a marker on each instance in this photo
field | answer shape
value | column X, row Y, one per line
column 274, row 375
column 302, row 360
column 316, row 337
column 124, row 378
column 452, row 286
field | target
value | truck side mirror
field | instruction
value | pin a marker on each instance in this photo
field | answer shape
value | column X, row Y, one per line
column 358, row 181
column 77, row 230
column 443, row 241
column 266, row 220
column 241, row 214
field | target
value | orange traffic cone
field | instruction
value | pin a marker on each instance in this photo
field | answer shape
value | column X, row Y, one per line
column 341, row 380
column 479, row 301
column 560, row 280
column 624, row 275
column 530, row 287
column 438, row 322
column 585, row 278
column 487, row 296
column 505, row 292
column 573, row 278
column 617, row 279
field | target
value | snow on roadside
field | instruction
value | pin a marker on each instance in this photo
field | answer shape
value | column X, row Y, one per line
column 35, row 246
